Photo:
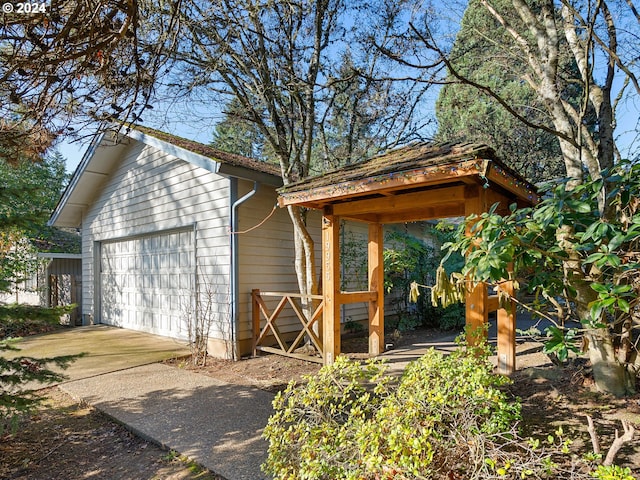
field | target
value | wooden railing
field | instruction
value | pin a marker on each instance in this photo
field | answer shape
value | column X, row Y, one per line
column 271, row 332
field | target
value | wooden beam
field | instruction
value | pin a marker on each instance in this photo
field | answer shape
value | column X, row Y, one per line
column 476, row 313
column 291, row 295
column 499, row 176
column 299, row 356
column 407, row 201
column 503, row 200
column 330, row 286
column 356, row 297
column 376, row 284
column 429, row 213
column 493, row 303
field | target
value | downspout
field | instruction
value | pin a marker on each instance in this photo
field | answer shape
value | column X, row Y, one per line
column 234, row 270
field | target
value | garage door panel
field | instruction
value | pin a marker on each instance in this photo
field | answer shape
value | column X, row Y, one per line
column 147, row 283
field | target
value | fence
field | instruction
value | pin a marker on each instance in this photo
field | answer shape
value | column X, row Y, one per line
column 270, row 332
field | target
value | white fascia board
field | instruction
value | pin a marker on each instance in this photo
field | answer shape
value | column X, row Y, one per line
column 179, row 152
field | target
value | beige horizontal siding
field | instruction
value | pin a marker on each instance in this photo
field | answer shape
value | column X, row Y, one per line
column 266, row 256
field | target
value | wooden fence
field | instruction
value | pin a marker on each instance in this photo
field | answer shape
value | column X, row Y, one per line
column 270, row 331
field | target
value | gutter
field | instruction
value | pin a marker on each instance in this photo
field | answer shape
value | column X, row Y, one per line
column 234, row 273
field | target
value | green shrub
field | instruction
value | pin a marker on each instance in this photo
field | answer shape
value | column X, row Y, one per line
column 311, row 433
column 446, row 417
column 17, row 372
column 613, row 472
column 352, row 421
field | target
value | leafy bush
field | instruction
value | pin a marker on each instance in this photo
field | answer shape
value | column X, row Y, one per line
column 447, row 417
column 352, row 421
column 613, row 472
column 579, row 263
column 311, row 433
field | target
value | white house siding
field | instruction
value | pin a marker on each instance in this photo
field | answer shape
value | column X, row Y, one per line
column 149, row 196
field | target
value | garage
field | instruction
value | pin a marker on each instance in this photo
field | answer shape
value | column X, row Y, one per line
column 147, row 282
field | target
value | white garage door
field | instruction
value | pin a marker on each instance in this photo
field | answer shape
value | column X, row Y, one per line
column 147, row 283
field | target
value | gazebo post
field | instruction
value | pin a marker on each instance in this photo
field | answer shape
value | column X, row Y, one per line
column 476, row 313
column 476, row 298
column 330, row 286
column 507, row 333
column 376, row 284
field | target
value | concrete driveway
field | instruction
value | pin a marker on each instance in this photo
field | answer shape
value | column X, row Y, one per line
column 107, row 349
column 218, row 425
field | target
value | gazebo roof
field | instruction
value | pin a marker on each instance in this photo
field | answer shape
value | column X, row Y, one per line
column 410, row 170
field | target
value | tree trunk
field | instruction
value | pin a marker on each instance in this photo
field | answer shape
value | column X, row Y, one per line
column 609, row 374
column 305, row 263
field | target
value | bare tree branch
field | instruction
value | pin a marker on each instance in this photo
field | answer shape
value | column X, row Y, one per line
column 619, row 441
column 81, row 63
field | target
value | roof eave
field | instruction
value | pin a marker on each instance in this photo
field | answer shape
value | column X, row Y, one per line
column 204, row 162
column 75, row 180
column 381, row 184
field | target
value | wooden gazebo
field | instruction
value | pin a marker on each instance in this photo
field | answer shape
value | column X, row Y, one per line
column 414, row 183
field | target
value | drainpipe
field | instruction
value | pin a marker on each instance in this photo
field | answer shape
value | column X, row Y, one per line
column 233, row 242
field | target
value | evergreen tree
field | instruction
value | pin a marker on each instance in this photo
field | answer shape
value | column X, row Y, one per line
column 30, row 186
column 29, row 191
column 236, row 133
column 463, row 112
